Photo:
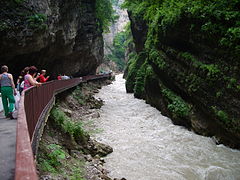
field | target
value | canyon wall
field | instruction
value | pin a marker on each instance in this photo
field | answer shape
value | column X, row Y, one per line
column 116, row 27
column 58, row 35
column 188, row 66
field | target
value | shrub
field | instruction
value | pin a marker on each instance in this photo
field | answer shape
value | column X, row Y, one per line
column 140, row 81
column 77, row 94
column 105, row 14
column 176, row 104
column 74, row 129
column 37, row 21
column 52, row 160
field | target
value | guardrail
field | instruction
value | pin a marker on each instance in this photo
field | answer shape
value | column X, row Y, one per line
column 35, row 103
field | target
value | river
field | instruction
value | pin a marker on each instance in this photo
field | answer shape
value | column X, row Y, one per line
column 147, row 146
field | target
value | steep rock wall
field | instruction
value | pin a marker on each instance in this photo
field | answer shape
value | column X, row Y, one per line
column 116, row 27
column 186, row 74
column 58, row 35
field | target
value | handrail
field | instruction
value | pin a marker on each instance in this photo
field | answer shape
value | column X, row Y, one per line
column 33, row 105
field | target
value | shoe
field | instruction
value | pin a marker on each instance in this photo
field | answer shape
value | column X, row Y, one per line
column 10, row 115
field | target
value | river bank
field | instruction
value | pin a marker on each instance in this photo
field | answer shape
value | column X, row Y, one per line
column 67, row 150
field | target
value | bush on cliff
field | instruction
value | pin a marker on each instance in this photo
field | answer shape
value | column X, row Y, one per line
column 105, row 13
column 218, row 18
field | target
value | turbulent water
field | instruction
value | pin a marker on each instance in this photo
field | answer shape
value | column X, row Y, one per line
column 147, row 146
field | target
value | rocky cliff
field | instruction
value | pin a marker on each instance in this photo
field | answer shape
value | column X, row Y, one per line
column 116, row 27
column 58, row 35
column 121, row 20
column 187, row 64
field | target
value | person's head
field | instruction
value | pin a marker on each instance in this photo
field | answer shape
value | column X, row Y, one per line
column 4, row 69
column 22, row 73
column 43, row 72
column 32, row 71
column 25, row 70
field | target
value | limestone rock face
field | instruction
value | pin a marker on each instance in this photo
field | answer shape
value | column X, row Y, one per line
column 116, row 27
column 189, row 77
column 58, row 35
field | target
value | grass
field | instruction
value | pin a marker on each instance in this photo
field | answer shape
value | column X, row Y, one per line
column 55, row 160
column 78, row 95
column 74, row 129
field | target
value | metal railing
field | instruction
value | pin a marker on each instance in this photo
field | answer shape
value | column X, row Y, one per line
column 34, row 106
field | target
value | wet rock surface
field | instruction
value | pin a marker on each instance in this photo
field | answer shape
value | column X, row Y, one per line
column 60, row 36
column 188, row 77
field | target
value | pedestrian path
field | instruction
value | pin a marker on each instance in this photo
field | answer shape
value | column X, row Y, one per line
column 7, row 150
column 1, row 107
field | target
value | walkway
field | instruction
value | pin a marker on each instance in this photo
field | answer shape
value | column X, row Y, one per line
column 1, row 107
column 7, row 150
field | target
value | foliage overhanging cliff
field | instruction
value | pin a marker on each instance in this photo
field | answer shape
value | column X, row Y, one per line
column 187, row 63
column 57, row 35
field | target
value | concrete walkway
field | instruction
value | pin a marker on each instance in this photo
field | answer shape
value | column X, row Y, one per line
column 7, row 150
column 1, row 107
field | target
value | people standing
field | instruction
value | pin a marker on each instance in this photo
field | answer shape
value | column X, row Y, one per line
column 8, row 91
column 20, row 81
column 29, row 79
column 59, row 77
column 42, row 78
column 64, row 77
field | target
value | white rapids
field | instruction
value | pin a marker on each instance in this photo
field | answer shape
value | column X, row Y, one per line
column 147, row 146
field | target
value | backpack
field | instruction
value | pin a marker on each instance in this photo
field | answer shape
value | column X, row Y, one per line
column 22, row 85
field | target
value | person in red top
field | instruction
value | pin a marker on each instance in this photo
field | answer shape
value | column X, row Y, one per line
column 59, row 77
column 42, row 78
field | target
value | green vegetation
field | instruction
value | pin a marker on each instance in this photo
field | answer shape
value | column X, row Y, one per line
column 37, row 22
column 74, row 129
column 77, row 94
column 210, row 25
column 54, row 159
column 132, row 71
column 220, row 19
column 118, row 51
column 139, row 90
column 134, row 64
column 231, row 124
column 176, row 105
column 121, row 42
column 16, row 15
column 193, row 82
column 4, row 26
column 115, row 2
column 156, row 57
column 105, row 14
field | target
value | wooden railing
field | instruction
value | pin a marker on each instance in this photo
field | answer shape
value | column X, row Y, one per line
column 35, row 103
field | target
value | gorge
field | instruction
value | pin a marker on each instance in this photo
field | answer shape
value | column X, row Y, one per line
column 173, row 114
